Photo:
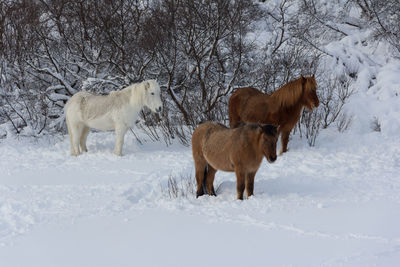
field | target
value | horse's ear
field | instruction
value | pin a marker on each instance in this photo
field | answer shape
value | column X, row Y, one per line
column 303, row 80
column 146, row 85
column 269, row 129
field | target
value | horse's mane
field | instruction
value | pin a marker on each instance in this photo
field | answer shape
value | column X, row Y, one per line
column 127, row 91
column 289, row 94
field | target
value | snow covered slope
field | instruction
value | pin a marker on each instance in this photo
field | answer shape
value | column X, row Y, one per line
column 376, row 83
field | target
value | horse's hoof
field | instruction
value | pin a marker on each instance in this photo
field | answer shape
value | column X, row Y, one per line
column 199, row 194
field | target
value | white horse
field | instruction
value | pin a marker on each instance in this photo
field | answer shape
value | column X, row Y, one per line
column 117, row 111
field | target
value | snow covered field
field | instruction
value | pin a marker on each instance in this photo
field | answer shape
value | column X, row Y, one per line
column 336, row 204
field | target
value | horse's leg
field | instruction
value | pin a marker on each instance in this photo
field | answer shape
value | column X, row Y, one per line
column 210, row 180
column 76, row 132
column 73, row 153
column 250, row 183
column 240, row 182
column 284, row 141
column 200, row 165
column 119, row 142
column 85, row 132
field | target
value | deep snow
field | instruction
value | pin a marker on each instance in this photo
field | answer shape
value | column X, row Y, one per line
column 335, row 204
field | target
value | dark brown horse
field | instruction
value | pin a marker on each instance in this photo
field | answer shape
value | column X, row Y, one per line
column 240, row 150
column 282, row 108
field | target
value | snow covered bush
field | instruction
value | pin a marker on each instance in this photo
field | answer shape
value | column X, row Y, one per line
column 199, row 51
column 375, row 124
column 183, row 185
column 384, row 17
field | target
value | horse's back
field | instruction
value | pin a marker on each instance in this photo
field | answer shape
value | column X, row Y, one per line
column 247, row 91
column 206, row 132
column 77, row 99
column 94, row 111
column 206, row 128
column 242, row 94
column 84, row 103
column 213, row 142
column 238, row 103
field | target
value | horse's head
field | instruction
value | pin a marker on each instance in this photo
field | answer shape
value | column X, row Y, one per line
column 269, row 135
column 310, row 97
column 152, row 97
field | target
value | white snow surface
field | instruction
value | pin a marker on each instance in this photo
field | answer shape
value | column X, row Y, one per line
column 336, row 204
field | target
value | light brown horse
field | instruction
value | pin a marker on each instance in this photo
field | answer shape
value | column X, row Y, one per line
column 240, row 150
column 282, row 108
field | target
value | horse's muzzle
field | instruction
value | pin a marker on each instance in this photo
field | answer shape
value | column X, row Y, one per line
column 271, row 159
column 159, row 109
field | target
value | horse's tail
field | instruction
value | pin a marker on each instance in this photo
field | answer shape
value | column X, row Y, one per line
column 233, row 109
column 68, row 125
column 205, row 179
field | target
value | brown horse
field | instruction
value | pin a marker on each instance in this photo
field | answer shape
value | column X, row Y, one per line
column 240, row 150
column 282, row 108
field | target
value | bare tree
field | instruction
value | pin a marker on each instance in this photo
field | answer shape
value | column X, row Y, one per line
column 198, row 50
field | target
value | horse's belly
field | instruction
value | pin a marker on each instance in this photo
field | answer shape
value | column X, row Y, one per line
column 104, row 124
column 226, row 169
column 220, row 162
